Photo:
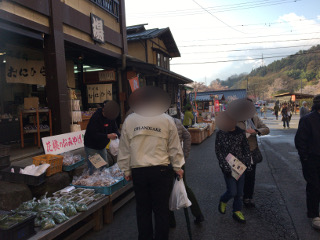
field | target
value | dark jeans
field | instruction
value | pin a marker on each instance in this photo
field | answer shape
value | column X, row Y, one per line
column 195, row 208
column 249, row 181
column 311, row 173
column 234, row 190
column 284, row 123
column 152, row 189
column 277, row 114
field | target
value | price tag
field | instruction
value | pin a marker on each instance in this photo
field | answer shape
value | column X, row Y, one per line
column 97, row 161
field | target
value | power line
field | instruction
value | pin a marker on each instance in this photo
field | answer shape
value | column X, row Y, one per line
column 274, row 41
column 215, row 9
column 265, row 36
column 216, row 17
column 238, row 60
column 248, row 49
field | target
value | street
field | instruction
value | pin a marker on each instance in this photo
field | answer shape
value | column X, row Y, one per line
column 280, row 211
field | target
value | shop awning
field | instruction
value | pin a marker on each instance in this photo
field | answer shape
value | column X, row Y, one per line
column 287, row 96
column 152, row 70
column 21, row 31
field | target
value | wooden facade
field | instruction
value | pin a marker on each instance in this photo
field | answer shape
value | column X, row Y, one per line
column 62, row 30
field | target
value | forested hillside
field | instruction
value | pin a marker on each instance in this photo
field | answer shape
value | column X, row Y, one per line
column 285, row 75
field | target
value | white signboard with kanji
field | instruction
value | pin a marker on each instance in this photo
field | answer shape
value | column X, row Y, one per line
column 98, row 93
column 63, row 142
column 25, row 71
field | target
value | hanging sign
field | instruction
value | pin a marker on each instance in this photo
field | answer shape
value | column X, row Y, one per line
column 105, row 76
column 97, row 30
column 293, row 98
column 23, row 71
column 134, row 83
column 98, row 93
column 216, row 106
column 63, row 142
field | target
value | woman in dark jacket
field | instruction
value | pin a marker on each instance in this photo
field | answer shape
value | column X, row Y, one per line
column 285, row 115
column 101, row 129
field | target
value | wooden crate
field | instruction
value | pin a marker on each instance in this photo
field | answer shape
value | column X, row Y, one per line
column 197, row 135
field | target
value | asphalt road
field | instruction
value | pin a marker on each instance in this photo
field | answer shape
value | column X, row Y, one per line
column 280, row 211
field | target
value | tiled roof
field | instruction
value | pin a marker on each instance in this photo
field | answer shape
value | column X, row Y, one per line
column 228, row 94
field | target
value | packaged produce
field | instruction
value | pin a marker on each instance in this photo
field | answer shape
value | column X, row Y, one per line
column 17, row 218
column 100, row 178
column 59, row 217
column 37, row 222
column 47, row 223
column 81, row 207
column 3, row 217
column 7, row 224
column 69, row 159
column 98, row 196
column 70, row 210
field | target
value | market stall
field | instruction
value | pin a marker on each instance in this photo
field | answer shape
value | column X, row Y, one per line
column 95, row 197
column 199, row 132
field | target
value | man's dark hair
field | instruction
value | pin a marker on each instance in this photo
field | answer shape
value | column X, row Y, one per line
column 316, row 103
column 189, row 108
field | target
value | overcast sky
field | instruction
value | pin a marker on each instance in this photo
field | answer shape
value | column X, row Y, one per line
column 212, row 34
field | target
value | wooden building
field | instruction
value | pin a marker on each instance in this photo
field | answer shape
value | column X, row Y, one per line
column 49, row 47
column 149, row 55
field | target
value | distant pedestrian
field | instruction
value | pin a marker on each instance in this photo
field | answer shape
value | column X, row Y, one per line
column 285, row 116
column 188, row 117
column 253, row 127
column 231, row 139
column 265, row 109
column 307, row 141
column 276, row 110
column 304, row 109
column 185, row 139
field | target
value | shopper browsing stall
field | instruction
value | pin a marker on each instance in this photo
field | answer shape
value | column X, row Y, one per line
column 101, row 129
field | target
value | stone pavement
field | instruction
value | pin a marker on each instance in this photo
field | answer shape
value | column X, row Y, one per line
column 280, row 196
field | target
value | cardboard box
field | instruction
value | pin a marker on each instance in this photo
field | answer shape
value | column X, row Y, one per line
column 31, row 102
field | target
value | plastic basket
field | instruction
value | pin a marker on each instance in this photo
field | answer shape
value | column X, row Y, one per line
column 16, row 177
column 19, row 231
column 4, row 150
column 104, row 190
column 73, row 166
column 125, row 182
column 55, row 162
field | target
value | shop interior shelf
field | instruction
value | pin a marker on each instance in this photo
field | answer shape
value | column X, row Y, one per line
column 35, row 130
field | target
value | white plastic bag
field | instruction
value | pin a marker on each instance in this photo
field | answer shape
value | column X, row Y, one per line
column 114, row 147
column 178, row 198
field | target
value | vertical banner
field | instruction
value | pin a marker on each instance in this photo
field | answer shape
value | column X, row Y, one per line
column 90, row 93
column 134, row 83
column 216, row 106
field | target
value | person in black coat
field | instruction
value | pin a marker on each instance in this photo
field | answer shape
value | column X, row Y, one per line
column 101, row 129
column 307, row 141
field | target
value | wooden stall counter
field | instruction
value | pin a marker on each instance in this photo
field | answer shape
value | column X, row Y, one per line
column 198, row 135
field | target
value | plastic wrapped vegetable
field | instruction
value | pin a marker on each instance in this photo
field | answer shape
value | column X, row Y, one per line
column 57, row 207
column 37, row 222
column 27, row 206
column 59, row 217
column 70, row 210
column 81, row 207
column 47, row 223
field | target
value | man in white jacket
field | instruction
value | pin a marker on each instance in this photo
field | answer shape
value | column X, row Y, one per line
column 147, row 146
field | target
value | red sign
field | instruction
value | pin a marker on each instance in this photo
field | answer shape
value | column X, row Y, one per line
column 293, row 98
column 134, row 83
column 216, row 106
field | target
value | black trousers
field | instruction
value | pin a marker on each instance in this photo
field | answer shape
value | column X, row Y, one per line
column 249, row 182
column 152, row 189
column 311, row 173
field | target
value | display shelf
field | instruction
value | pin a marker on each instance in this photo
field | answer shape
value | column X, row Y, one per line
column 36, row 132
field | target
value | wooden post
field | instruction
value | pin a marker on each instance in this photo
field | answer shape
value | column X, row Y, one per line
column 38, row 128
column 108, row 213
column 21, row 130
column 98, row 220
